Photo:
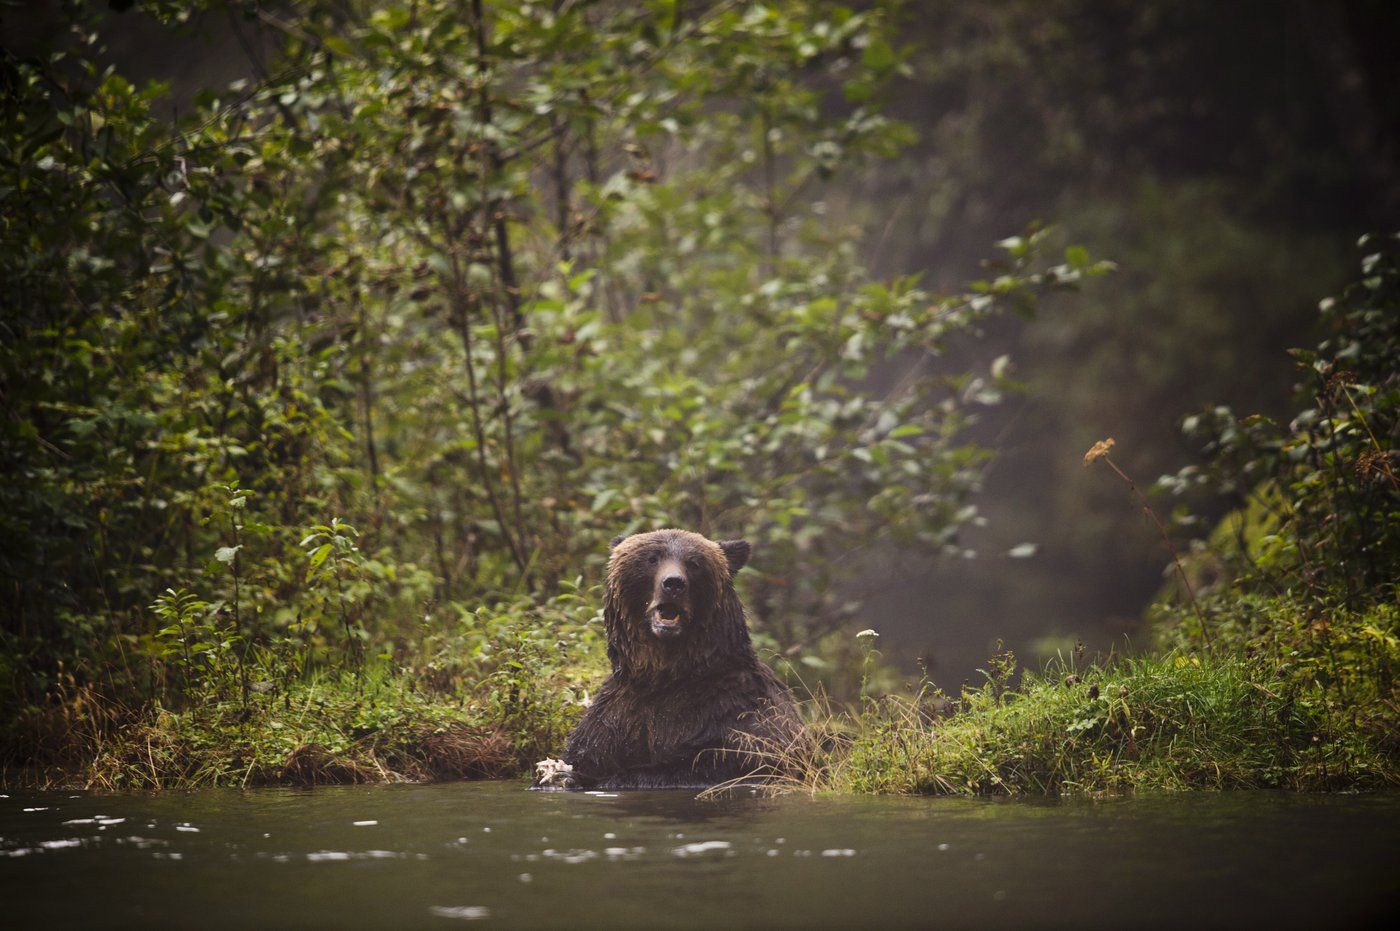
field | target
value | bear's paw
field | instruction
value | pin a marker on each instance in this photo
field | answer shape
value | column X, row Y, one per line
column 554, row 774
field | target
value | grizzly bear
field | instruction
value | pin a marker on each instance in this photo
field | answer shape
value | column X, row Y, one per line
column 688, row 702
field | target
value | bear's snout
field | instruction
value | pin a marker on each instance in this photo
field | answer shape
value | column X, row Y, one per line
column 670, row 600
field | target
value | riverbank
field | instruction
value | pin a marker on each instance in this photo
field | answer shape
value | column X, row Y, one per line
column 1175, row 722
column 332, row 729
column 1279, row 696
column 1179, row 721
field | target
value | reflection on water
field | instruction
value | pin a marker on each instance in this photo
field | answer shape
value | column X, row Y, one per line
column 495, row 854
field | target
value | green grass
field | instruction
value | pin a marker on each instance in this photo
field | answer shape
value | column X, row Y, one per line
column 1171, row 722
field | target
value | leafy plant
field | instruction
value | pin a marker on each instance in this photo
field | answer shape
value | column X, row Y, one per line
column 333, row 562
column 1318, row 500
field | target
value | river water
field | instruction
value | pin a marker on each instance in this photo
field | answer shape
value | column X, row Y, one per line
column 494, row 854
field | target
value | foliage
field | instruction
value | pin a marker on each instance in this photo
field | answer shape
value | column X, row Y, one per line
column 355, row 365
column 1316, row 528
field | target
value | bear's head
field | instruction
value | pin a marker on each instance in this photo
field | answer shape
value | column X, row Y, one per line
column 670, row 598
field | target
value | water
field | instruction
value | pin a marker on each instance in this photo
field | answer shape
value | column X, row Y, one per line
column 495, row 854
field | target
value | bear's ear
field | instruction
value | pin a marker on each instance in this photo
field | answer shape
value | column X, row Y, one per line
column 612, row 544
column 736, row 552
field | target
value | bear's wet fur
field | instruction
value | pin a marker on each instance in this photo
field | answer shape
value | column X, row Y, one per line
column 688, row 698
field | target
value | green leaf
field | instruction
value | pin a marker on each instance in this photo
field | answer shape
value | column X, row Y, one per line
column 878, row 56
column 319, row 555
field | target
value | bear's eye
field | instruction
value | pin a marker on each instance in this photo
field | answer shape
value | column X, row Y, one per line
column 653, row 559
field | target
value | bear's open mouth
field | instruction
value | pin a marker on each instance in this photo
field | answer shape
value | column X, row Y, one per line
column 666, row 618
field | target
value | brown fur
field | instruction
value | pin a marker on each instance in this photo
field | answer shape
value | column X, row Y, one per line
column 680, row 708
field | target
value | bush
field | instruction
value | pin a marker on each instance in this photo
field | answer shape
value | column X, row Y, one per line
column 1318, row 497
